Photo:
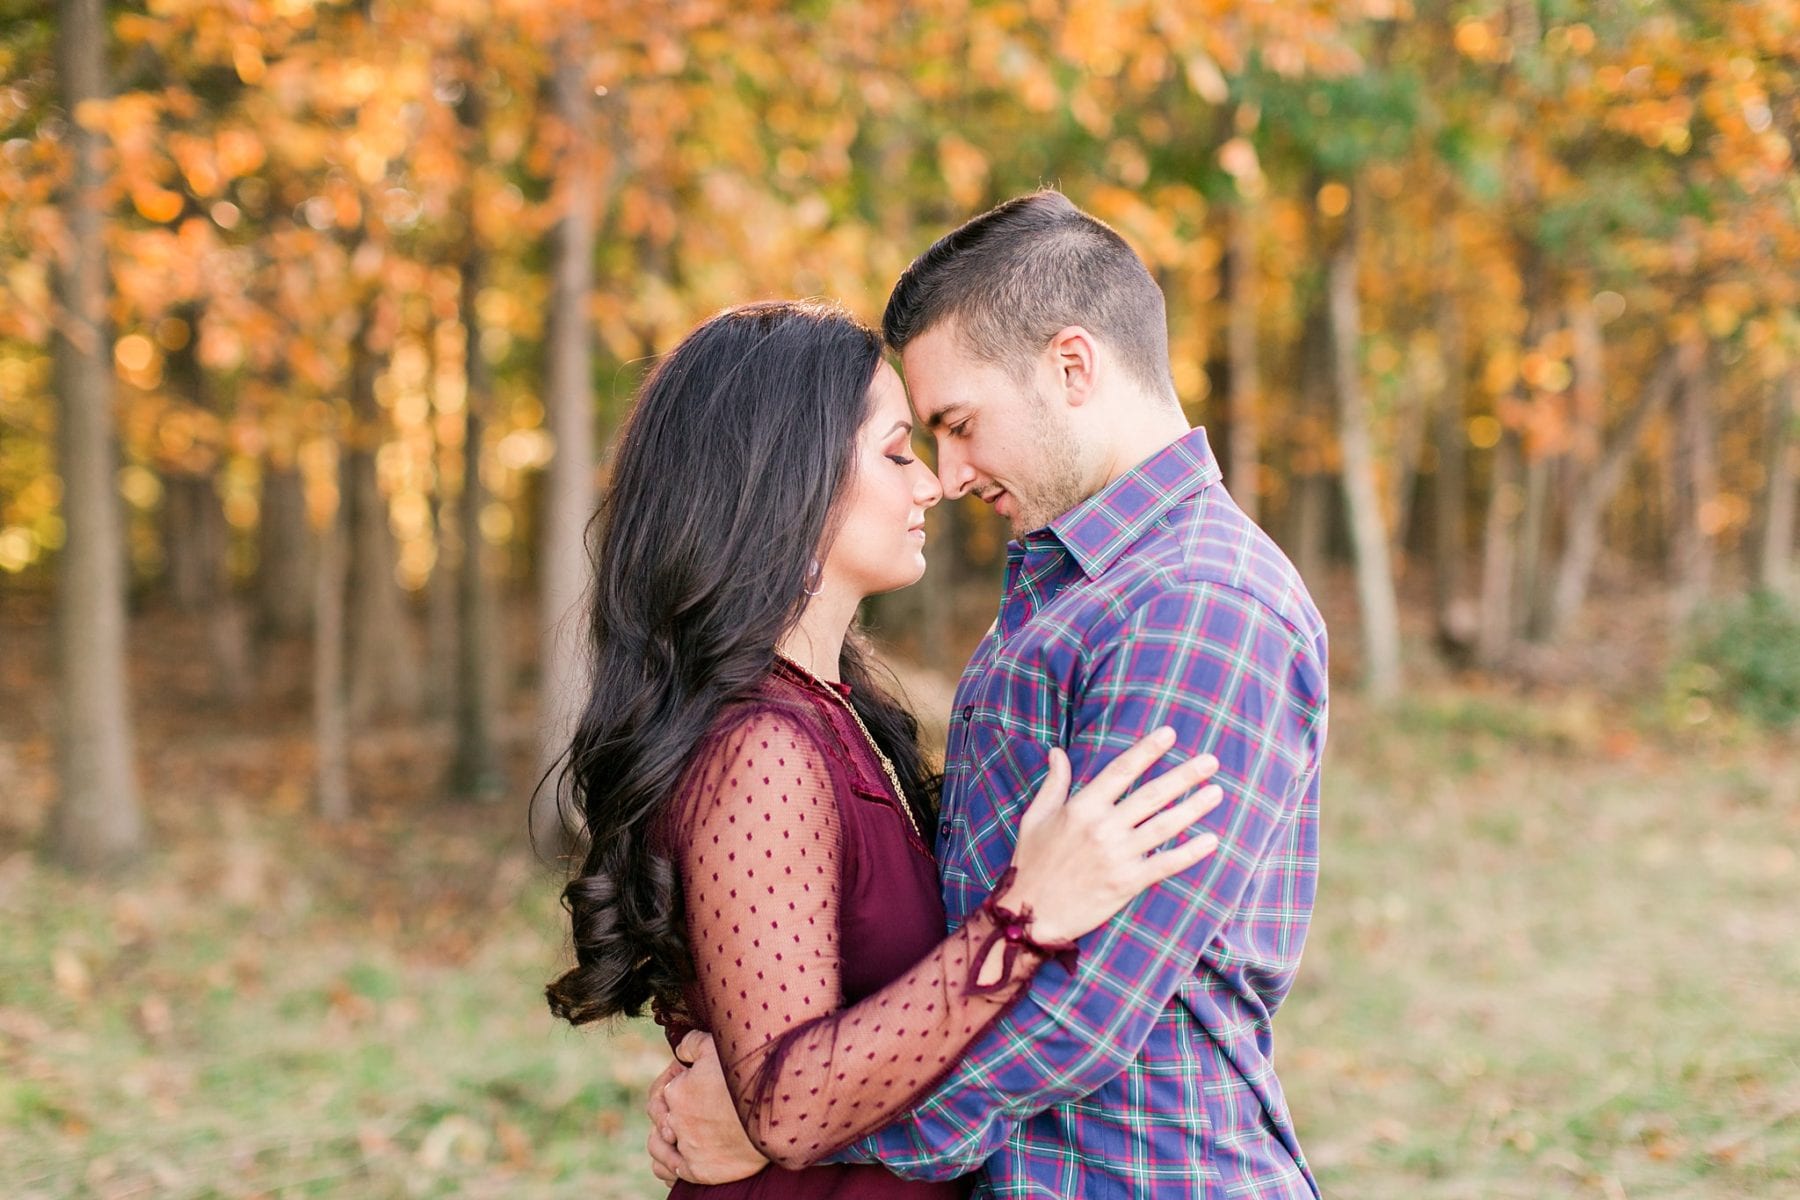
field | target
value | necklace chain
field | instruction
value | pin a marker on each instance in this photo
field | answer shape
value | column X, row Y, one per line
column 886, row 764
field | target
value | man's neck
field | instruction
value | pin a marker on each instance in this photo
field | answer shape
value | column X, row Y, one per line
column 1143, row 436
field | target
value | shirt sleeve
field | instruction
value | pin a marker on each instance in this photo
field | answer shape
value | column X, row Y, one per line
column 761, row 853
column 1234, row 680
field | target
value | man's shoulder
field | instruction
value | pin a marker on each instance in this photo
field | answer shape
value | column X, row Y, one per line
column 1207, row 547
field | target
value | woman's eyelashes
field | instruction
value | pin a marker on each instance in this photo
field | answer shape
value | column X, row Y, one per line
column 901, row 459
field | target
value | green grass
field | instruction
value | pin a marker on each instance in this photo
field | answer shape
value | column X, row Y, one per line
column 1550, row 963
column 289, row 1041
column 1555, row 954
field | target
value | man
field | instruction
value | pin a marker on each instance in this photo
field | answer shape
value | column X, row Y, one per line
column 1034, row 343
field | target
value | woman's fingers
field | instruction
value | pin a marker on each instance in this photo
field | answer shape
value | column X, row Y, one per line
column 1161, row 866
column 1166, row 788
column 1114, row 779
column 1175, row 819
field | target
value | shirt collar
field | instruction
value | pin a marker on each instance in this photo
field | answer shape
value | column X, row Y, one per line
column 1099, row 529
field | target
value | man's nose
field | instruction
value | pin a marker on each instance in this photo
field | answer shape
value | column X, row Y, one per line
column 953, row 474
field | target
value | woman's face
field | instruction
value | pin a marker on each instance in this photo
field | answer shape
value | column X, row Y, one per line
column 880, row 539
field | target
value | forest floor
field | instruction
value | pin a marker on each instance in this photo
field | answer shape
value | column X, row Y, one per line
column 1556, row 953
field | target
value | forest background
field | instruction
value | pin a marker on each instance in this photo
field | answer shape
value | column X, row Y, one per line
column 316, row 321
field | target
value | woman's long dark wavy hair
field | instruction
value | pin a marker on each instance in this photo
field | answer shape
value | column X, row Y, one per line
column 724, row 490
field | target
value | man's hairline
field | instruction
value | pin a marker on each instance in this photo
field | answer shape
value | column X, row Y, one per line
column 1018, row 372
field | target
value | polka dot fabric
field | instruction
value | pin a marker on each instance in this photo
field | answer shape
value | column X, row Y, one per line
column 812, row 913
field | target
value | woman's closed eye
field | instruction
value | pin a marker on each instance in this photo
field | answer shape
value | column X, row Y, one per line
column 902, row 460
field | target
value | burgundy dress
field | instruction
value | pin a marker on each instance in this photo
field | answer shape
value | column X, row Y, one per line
column 817, row 929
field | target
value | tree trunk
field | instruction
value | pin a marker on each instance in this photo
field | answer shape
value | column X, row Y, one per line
column 1309, row 519
column 331, row 718
column 188, row 538
column 1456, row 621
column 570, row 493
column 383, row 665
column 1245, row 448
column 284, row 568
column 97, row 823
column 1696, row 489
column 441, row 635
column 1368, row 532
column 1587, row 515
column 1775, row 561
column 1530, row 548
column 197, row 535
column 1493, row 640
column 476, row 771
column 1413, row 432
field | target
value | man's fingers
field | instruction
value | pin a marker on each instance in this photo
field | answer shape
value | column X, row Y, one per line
column 695, row 1046
column 665, row 1160
column 658, row 1105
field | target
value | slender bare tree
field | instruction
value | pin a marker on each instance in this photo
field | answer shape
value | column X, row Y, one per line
column 1246, row 376
column 331, row 720
column 476, row 771
column 1775, row 561
column 569, row 408
column 98, row 822
column 1380, row 608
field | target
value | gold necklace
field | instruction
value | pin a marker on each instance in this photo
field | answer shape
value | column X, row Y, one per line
column 886, row 764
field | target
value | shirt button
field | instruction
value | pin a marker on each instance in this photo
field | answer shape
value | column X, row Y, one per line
column 968, row 713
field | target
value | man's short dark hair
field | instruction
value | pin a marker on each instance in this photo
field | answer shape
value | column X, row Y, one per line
column 1015, row 275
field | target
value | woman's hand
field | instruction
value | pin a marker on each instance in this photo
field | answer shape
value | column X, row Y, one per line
column 694, row 1129
column 1082, row 858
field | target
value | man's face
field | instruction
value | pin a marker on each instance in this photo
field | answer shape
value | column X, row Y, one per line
column 1009, row 441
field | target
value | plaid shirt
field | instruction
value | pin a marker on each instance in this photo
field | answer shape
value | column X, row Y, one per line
column 1151, row 1071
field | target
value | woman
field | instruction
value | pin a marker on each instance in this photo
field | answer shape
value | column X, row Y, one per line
column 757, row 809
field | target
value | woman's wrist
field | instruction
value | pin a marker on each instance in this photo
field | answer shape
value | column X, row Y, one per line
column 1013, row 933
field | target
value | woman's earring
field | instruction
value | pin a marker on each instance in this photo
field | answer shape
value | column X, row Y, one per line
column 815, row 579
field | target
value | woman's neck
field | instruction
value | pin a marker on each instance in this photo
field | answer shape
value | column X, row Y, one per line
column 816, row 640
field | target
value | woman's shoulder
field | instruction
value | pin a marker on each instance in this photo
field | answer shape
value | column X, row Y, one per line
column 775, row 714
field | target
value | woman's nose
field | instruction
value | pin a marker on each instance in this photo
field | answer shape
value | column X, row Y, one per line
column 926, row 489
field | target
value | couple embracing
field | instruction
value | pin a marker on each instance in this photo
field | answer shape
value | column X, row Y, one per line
column 1050, row 971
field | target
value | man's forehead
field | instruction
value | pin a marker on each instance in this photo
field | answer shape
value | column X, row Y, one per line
column 939, row 369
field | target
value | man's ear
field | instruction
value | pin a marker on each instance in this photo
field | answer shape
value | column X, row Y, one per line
column 1075, row 356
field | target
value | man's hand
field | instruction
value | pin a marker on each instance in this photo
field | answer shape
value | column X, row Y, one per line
column 694, row 1129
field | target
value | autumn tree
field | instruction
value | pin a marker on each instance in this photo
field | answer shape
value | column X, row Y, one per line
column 97, row 822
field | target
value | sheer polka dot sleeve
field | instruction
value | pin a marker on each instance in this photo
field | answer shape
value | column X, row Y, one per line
column 761, row 850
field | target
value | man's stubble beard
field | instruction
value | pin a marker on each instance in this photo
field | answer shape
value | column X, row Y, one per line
column 1057, row 486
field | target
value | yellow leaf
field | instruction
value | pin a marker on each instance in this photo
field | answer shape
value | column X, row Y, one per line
column 248, row 60
column 156, row 203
